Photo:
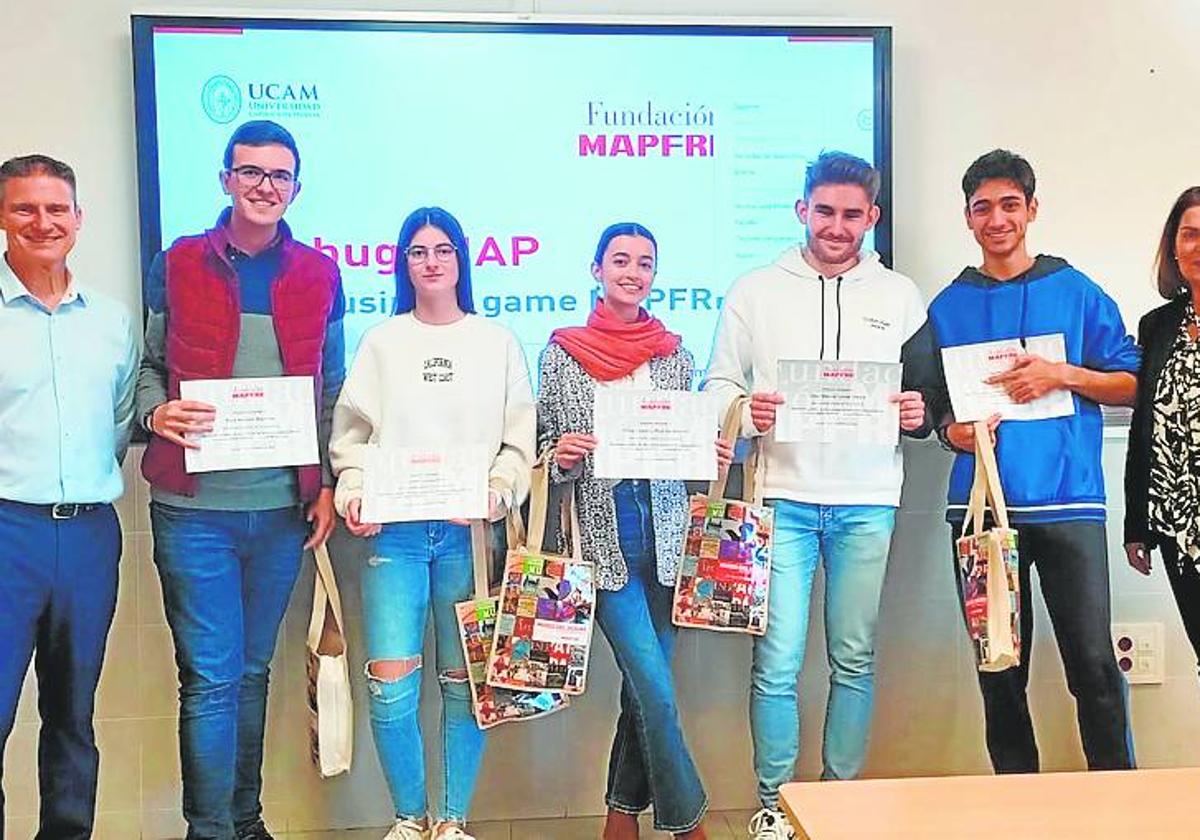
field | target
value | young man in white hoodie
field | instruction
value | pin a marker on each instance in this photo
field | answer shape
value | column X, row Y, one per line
column 824, row 299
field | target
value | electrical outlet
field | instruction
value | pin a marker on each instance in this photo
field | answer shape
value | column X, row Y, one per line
column 1139, row 651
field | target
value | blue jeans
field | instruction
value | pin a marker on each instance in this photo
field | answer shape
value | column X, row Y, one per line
column 650, row 761
column 226, row 579
column 416, row 566
column 853, row 541
column 58, row 592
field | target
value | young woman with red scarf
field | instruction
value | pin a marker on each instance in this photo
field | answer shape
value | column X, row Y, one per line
column 631, row 530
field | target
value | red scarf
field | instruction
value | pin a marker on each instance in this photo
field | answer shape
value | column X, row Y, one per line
column 609, row 348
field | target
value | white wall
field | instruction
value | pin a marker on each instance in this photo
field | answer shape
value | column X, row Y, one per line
column 1099, row 95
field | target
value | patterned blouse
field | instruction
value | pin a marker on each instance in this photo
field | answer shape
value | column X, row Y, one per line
column 566, row 395
column 1175, row 449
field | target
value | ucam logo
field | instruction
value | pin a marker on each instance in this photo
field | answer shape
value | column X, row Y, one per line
column 282, row 92
column 221, row 99
column 283, row 99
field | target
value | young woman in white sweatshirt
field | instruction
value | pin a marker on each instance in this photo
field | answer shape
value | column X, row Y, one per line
column 434, row 376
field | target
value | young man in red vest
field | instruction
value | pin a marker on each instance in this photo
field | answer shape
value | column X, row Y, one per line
column 242, row 299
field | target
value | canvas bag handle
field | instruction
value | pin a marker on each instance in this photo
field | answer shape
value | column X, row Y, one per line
column 539, row 503
column 986, row 486
column 753, row 470
column 327, row 601
column 539, row 495
column 480, row 543
column 569, row 514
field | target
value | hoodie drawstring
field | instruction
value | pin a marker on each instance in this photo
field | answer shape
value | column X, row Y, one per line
column 821, row 277
column 838, row 347
column 1024, row 307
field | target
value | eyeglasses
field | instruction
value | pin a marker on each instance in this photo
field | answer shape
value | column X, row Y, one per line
column 419, row 253
column 250, row 177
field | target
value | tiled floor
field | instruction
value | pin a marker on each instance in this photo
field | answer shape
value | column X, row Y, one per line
column 720, row 825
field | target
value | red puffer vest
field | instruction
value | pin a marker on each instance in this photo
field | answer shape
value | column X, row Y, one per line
column 204, row 323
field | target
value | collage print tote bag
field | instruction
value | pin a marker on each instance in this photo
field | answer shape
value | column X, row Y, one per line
column 725, row 572
column 330, row 709
column 988, row 565
column 476, row 629
column 547, row 605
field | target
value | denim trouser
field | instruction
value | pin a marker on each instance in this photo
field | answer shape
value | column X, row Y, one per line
column 649, row 761
column 416, row 566
column 1072, row 562
column 226, row 579
column 853, row 542
column 58, row 592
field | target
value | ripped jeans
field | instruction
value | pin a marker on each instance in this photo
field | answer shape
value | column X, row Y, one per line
column 415, row 566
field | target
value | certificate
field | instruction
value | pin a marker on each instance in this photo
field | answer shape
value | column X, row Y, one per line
column 968, row 365
column 403, row 484
column 839, row 402
column 265, row 421
column 654, row 434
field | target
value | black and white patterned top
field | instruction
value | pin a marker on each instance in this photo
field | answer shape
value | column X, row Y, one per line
column 1175, row 449
column 566, row 398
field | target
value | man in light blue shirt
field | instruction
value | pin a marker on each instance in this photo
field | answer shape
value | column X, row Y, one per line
column 68, row 366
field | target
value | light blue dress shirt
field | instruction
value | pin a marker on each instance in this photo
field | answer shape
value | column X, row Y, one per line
column 66, row 394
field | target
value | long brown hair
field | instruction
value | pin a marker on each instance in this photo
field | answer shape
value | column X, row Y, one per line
column 1166, row 269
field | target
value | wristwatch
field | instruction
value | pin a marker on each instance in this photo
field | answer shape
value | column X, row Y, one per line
column 147, row 420
column 944, row 438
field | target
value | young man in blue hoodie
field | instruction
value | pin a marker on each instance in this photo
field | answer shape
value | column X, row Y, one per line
column 1050, row 469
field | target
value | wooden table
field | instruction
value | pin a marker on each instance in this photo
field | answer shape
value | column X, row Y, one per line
column 1141, row 804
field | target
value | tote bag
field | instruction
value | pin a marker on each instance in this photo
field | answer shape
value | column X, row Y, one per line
column 547, row 606
column 330, row 709
column 988, row 563
column 725, row 573
column 476, row 628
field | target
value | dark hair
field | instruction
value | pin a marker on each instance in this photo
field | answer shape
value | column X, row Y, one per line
column 999, row 164
column 1166, row 269
column 262, row 133
column 27, row 165
column 406, row 295
column 834, row 167
column 621, row 229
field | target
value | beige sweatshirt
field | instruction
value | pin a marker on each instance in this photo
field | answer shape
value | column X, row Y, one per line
column 788, row 311
column 421, row 385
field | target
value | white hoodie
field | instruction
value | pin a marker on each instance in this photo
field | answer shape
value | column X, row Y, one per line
column 788, row 311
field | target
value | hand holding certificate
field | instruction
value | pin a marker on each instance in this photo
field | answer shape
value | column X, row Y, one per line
column 267, row 421
column 404, row 484
column 969, row 366
column 655, row 434
column 839, row 402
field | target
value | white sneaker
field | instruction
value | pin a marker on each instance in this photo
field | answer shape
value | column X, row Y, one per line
column 769, row 824
column 407, row 830
column 450, row 831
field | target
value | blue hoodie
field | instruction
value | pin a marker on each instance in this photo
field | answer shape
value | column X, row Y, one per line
column 1050, row 469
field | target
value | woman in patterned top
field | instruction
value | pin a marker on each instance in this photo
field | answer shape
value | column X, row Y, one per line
column 632, row 530
column 1162, row 470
